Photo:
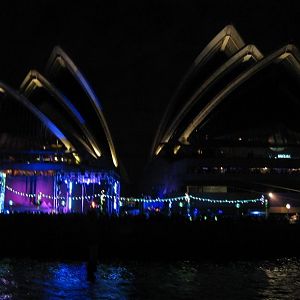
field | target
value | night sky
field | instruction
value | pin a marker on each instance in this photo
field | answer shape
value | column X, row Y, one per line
column 134, row 53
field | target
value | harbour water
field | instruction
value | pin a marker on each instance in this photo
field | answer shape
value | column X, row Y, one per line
column 31, row 279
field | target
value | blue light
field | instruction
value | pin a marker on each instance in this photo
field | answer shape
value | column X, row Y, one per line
column 88, row 88
column 115, row 187
column 257, row 213
column 70, row 195
column 73, row 109
column 54, row 129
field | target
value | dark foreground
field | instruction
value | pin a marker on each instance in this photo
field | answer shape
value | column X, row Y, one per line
column 135, row 238
column 184, row 280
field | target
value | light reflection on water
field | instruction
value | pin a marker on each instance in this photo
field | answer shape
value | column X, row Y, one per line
column 28, row 279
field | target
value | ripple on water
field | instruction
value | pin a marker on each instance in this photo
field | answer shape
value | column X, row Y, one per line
column 28, row 279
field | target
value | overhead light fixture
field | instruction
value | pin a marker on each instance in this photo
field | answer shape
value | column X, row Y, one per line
column 176, row 149
column 284, row 55
column 247, row 57
column 37, row 82
column 158, row 149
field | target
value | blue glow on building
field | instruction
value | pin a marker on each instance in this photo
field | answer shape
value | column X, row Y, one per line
column 88, row 89
column 54, row 130
column 73, row 109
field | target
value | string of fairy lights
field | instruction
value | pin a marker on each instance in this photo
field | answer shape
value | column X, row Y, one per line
column 186, row 197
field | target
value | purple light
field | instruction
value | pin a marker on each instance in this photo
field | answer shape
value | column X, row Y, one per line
column 27, row 186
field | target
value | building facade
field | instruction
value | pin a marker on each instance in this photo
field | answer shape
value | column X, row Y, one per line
column 56, row 150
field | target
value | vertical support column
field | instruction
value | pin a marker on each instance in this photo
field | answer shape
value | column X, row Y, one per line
column 116, row 197
column 108, row 201
column 170, row 208
column 54, row 195
column 188, row 205
column 266, row 203
column 69, row 195
column 60, row 204
column 102, row 201
column 82, row 197
column 2, row 191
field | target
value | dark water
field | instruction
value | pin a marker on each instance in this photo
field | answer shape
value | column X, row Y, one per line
column 28, row 279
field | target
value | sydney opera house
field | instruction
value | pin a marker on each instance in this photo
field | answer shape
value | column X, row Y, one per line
column 232, row 127
column 57, row 153
column 231, row 131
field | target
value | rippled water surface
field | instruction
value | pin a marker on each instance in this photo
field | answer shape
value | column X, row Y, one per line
column 28, row 279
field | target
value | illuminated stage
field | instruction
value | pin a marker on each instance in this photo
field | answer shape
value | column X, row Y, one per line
column 60, row 192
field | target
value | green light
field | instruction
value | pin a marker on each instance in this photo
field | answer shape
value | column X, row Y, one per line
column 185, row 198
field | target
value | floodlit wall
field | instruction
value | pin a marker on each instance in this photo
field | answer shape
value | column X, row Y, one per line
column 20, row 191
